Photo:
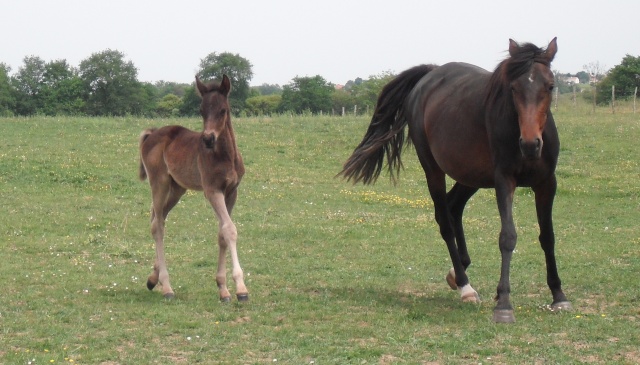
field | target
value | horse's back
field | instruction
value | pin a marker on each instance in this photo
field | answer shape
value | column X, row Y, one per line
column 447, row 120
column 172, row 151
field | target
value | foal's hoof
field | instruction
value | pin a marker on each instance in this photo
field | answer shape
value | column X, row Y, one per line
column 243, row 297
column 561, row 306
column 225, row 299
column 151, row 285
column 169, row 296
column 503, row 316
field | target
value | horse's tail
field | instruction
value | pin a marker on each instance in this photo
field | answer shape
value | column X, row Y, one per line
column 142, row 172
column 385, row 135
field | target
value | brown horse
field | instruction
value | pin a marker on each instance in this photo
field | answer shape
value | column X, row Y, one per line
column 484, row 130
column 175, row 159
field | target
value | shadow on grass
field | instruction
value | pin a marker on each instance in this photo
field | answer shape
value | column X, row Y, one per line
column 443, row 305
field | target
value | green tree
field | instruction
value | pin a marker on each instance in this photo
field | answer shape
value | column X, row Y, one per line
column 169, row 106
column 268, row 89
column 238, row 69
column 112, row 85
column 341, row 98
column 307, row 94
column 62, row 89
column 165, row 88
column 263, row 104
column 28, row 83
column 7, row 99
column 625, row 77
column 583, row 77
column 365, row 93
column 190, row 102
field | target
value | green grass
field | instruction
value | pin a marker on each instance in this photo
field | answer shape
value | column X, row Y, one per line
column 338, row 274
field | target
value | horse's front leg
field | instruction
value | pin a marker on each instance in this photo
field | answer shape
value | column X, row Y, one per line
column 505, row 187
column 227, row 239
column 544, row 195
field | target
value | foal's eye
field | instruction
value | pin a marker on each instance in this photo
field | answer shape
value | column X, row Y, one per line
column 223, row 112
column 551, row 88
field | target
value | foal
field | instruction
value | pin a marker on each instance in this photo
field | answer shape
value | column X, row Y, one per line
column 175, row 159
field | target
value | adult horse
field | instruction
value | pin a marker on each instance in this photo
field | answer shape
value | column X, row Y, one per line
column 484, row 130
column 175, row 159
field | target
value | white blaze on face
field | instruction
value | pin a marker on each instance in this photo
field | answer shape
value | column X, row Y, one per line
column 531, row 77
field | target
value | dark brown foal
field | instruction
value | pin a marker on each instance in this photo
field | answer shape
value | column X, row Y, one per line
column 175, row 159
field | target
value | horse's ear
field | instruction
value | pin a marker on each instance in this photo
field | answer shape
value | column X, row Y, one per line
column 552, row 48
column 202, row 88
column 225, row 85
column 513, row 47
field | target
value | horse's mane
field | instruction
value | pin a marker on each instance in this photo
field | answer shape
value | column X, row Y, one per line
column 521, row 60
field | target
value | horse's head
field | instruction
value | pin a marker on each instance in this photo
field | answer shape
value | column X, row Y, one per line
column 214, row 109
column 531, row 82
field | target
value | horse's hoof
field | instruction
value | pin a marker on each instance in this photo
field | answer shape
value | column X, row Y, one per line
column 225, row 299
column 471, row 298
column 503, row 316
column 151, row 285
column 169, row 296
column 243, row 297
column 561, row 306
column 451, row 280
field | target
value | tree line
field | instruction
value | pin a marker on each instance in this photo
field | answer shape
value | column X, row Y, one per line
column 106, row 84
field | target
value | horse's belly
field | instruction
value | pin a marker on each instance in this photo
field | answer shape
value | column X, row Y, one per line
column 466, row 162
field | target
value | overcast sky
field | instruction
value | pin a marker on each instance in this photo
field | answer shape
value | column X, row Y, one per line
column 339, row 40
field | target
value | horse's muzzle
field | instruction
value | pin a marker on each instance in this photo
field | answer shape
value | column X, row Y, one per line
column 209, row 140
column 531, row 150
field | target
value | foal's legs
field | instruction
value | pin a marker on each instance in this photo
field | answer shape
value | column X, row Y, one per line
column 227, row 239
column 544, row 195
column 166, row 194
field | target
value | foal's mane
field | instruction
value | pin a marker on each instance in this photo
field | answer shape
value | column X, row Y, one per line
column 521, row 60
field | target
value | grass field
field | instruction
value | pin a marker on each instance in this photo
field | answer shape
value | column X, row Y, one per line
column 338, row 274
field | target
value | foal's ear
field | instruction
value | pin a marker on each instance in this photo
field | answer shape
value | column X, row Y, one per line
column 202, row 88
column 513, row 47
column 552, row 48
column 225, row 85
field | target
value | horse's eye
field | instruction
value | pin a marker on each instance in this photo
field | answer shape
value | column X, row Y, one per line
column 223, row 112
column 551, row 88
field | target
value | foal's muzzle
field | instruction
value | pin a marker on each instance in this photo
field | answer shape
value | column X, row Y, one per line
column 532, row 149
column 209, row 140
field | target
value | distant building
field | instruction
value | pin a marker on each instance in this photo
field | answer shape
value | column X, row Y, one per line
column 570, row 80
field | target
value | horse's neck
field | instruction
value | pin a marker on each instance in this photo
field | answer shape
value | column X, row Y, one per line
column 226, row 145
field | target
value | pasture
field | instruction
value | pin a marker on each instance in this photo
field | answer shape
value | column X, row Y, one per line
column 337, row 274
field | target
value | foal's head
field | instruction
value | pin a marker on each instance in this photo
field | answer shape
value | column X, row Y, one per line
column 214, row 109
column 528, row 71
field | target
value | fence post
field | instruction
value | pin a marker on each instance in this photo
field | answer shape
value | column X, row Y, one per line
column 613, row 99
column 355, row 110
column 556, row 102
column 343, row 111
column 635, row 93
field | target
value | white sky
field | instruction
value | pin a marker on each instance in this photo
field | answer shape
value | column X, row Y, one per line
column 336, row 39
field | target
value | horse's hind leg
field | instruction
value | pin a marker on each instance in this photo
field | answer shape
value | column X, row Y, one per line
column 165, row 197
column 227, row 239
column 437, row 189
column 544, row 196
column 457, row 199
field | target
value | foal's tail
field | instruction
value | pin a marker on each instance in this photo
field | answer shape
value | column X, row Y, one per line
column 142, row 172
column 385, row 135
